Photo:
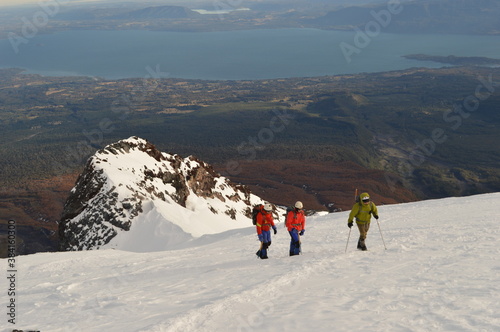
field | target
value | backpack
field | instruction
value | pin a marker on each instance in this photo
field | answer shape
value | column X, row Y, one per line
column 288, row 209
column 255, row 211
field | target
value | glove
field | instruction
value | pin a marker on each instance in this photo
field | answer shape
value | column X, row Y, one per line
column 275, row 230
column 349, row 224
column 261, row 237
column 376, row 216
column 302, row 232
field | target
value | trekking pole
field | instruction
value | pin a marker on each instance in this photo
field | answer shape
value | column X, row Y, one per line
column 380, row 230
column 355, row 196
column 347, row 240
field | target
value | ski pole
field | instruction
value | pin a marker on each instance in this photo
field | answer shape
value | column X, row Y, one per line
column 380, row 230
column 348, row 240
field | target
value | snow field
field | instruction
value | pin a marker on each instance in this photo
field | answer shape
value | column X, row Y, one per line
column 440, row 272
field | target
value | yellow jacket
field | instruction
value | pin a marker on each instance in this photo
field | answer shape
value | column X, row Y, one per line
column 363, row 212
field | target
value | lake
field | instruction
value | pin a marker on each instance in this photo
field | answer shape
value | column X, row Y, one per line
column 232, row 55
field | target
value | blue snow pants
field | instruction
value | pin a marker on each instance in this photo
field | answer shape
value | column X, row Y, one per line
column 294, row 242
column 266, row 242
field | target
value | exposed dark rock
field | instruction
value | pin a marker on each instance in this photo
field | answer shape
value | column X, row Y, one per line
column 110, row 192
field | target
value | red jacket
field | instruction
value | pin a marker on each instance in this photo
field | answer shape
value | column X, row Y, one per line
column 296, row 219
column 264, row 221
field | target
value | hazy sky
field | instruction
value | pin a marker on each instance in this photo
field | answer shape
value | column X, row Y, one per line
column 177, row 2
column 15, row 2
column 148, row 2
column 22, row 2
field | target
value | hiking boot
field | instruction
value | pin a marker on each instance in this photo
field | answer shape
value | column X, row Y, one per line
column 361, row 245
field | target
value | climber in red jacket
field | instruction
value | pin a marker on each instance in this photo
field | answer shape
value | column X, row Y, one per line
column 296, row 225
column 264, row 224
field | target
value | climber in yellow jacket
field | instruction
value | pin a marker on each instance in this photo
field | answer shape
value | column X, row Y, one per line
column 362, row 211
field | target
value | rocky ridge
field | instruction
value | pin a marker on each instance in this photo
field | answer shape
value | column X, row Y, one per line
column 124, row 182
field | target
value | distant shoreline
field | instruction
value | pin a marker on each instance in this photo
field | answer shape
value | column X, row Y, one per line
column 455, row 60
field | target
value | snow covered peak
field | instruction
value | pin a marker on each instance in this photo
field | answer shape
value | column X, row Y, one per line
column 131, row 196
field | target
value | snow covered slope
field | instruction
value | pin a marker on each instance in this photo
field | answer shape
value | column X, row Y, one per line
column 440, row 272
column 131, row 196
